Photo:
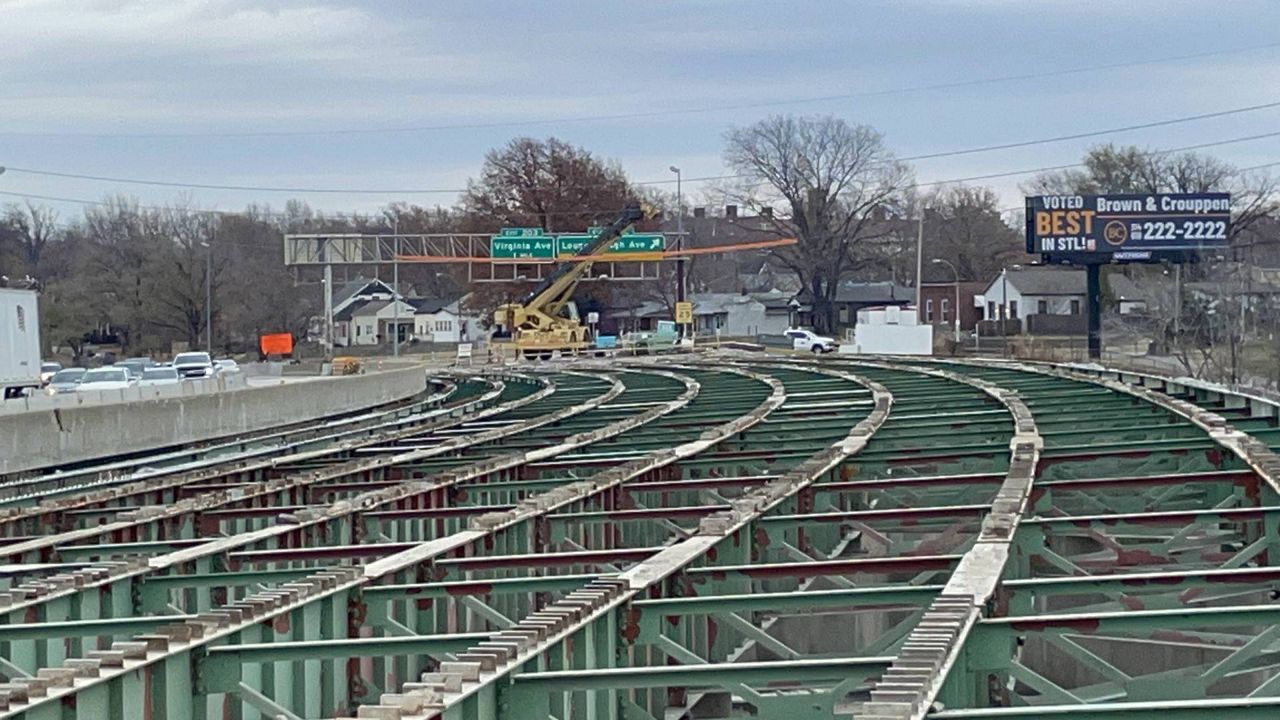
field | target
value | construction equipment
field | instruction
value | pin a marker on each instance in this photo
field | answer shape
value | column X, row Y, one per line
column 547, row 319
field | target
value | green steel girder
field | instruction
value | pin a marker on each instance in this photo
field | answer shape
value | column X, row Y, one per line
column 220, row 667
column 1137, row 621
column 532, row 690
column 430, row 591
column 1017, row 597
column 649, row 615
column 1262, row 708
column 87, row 628
column 699, row 675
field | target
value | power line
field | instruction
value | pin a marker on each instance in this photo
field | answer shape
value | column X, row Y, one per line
column 1052, row 168
column 361, row 191
column 664, row 113
column 931, row 183
column 1094, row 133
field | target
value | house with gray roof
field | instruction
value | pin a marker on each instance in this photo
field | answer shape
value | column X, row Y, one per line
column 729, row 314
column 852, row 296
column 1024, row 292
column 740, row 314
column 1019, row 291
column 445, row 320
column 371, row 322
column 370, row 300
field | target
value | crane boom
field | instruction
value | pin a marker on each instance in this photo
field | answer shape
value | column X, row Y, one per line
column 551, row 292
column 538, row 322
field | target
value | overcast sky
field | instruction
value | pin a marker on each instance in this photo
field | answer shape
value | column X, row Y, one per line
column 174, row 90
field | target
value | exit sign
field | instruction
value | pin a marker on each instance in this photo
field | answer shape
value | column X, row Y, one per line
column 522, row 244
column 520, row 232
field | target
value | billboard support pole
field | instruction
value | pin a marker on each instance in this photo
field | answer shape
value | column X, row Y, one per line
column 1093, row 301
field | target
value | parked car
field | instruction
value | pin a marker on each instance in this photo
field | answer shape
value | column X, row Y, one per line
column 811, row 341
column 48, row 370
column 225, row 365
column 193, row 365
column 111, row 377
column 66, row 380
column 157, row 375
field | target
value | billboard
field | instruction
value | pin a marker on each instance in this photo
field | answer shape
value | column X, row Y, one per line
column 1129, row 227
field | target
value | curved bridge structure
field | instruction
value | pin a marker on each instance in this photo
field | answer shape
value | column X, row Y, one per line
column 699, row 536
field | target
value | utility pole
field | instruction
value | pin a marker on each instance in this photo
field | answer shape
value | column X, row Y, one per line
column 328, row 299
column 208, row 300
column 395, row 288
column 919, row 264
column 680, row 274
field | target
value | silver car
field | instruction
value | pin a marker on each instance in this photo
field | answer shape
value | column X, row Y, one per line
column 159, row 375
column 107, row 378
column 66, row 380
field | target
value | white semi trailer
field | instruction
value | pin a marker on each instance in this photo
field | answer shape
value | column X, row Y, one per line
column 19, row 342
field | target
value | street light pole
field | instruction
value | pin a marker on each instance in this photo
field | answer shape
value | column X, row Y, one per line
column 208, row 296
column 956, row 311
column 680, row 274
column 208, row 300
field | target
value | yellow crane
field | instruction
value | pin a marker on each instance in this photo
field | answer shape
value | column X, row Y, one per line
column 547, row 319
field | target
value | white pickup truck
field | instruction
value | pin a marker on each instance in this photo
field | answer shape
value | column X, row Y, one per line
column 811, row 341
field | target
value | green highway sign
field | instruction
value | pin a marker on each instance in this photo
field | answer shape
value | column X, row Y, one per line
column 521, row 243
column 634, row 243
column 533, row 248
column 639, row 243
column 534, row 244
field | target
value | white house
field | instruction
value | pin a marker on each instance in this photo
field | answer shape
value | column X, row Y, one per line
column 1018, row 293
column 355, row 298
column 1021, row 291
column 371, row 322
column 443, row 321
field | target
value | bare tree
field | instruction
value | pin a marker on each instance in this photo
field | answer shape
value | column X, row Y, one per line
column 257, row 293
column 126, row 244
column 184, row 281
column 827, row 183
column 545, row 183
column 964, row 225
column 31, row 228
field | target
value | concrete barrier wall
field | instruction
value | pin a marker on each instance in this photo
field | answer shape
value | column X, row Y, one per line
column 45, row 438
column 70, row 401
